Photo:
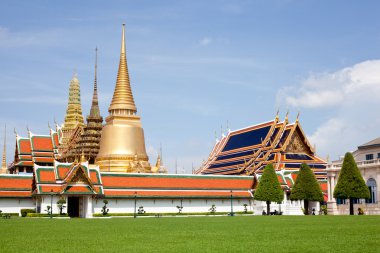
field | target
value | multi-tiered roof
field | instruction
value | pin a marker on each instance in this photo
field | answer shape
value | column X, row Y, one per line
column 247, row 151
column 34, row 149
column 88, row 144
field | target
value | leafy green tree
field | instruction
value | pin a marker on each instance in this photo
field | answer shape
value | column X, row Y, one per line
column 306, row 187
column 350, row 184
column 269, row 189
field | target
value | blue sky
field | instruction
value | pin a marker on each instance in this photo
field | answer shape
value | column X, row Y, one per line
column 196, row 64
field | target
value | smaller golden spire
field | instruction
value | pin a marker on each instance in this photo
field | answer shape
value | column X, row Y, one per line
column 4, row 161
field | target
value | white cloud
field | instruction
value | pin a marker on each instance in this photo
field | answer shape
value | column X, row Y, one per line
column 205, row 41
column 361, row 81
column 343, row 104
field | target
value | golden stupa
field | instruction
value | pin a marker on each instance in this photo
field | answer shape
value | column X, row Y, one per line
column 122, row 144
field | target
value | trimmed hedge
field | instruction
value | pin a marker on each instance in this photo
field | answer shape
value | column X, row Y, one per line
column 24, row 212
column 11, row 214
column 166, row 214
column 45, row 215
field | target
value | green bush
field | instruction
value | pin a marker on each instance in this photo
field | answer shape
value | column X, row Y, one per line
column 24, row 212
column 166, row 214
column 11, row 214
column 45, row 215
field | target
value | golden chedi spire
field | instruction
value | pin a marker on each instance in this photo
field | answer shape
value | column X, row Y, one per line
column 74, row 117
column 4, row 168
column 122, row 144
column 122, row 98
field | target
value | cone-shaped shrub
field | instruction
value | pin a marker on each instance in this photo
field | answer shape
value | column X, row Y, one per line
column 306, row 187
column 269, row 188
column 350, row 184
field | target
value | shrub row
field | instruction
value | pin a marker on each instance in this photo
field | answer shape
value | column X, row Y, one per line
column 11, row 214
column 45, row 215
column 24, row 212
column 165, row 214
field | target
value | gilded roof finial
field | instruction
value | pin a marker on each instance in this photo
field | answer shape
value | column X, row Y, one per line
column 287, row 116
column 278, row 111
column 82, row 159
column 298, row 116
column 4, row 161
column 122, row 98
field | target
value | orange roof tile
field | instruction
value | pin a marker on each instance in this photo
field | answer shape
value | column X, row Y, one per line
column 24, row 146
column 42, row 143
column 178, row 182
column 200, row 194
column 15, row 182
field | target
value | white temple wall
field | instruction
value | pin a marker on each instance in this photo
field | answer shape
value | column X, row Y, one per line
column 46, row 201
column 170, row 205
column 14, row 205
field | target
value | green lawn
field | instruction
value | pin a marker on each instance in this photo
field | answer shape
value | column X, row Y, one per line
column 193, row 234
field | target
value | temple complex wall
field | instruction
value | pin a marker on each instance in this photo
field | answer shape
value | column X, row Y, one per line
column 170, row 205
column 14, row 205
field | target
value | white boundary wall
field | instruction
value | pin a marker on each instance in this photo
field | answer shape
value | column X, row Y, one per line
column 14, row 205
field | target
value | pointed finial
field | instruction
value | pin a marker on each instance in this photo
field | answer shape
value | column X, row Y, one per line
column 298, row 116
column 49, row 125
column 27, row 129
column 14, row 130
column 287, row 115
column 122, row 99
column 4, row 161
column 82, row 159
column 277, row 113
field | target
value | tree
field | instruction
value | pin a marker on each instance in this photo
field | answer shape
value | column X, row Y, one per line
column 350, row 184
column 105, row 210
column 269, row 188
column 61, row 205
column 306, row 187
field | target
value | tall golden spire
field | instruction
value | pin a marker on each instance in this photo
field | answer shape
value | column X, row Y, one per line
column 122, row 99
column 4, row 160
column 122, row 143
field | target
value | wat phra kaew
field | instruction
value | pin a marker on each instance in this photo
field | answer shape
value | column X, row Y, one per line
column 87, row 163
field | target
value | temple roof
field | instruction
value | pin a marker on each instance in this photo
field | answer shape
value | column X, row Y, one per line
column 19, row 186
column 372, row 143
column 247, row 151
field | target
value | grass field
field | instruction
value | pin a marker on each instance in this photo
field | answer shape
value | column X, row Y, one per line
column 193, row 234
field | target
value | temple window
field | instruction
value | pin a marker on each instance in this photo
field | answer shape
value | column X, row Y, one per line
column 369, row 157
column 371, row 183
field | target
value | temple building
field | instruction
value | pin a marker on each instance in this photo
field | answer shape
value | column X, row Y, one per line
column 247, row 151
column 122, row 144
column 367, row 158
column 73, row 125
column 88, row 164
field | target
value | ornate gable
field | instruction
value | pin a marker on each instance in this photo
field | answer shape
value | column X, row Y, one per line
column 297, row 144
